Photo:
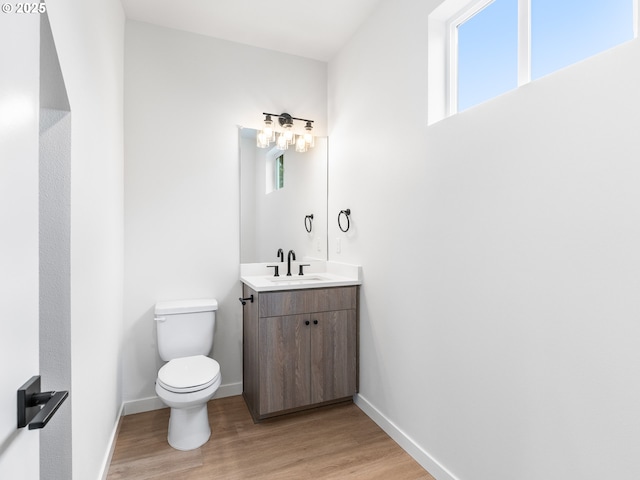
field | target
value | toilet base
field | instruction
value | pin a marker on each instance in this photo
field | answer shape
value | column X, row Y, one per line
column 188, row 420
column 189, row 427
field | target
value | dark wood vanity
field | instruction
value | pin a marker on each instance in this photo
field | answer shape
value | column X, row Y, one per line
column 300, row 349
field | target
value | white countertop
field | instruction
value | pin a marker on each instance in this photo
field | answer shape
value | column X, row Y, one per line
column 317, row 275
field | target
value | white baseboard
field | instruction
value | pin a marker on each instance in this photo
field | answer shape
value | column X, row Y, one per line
column 421, row 456
column 111, row 447
column 142, row 405
column 154, row 403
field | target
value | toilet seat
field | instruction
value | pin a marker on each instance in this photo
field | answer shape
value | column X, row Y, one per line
column 189, row 374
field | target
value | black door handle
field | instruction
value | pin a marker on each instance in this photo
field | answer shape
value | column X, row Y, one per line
column 35, row 408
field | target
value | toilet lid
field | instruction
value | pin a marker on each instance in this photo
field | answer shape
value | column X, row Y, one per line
column 189, row 373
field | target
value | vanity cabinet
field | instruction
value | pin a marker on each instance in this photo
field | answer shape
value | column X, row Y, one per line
column 300, row 349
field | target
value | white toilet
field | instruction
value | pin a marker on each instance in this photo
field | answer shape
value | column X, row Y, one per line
column 190, row 379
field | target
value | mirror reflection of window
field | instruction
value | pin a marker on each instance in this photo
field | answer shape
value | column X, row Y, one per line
column 279, row 172
column 274, row 172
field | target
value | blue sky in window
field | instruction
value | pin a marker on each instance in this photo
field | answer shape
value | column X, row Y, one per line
column 563, row 32
column 488, row 53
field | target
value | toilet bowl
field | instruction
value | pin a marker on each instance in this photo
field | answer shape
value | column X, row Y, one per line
column 186, row 384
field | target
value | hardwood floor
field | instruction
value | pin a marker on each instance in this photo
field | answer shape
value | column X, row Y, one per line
column 337, row 442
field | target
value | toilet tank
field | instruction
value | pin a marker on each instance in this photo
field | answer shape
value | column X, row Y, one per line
column 185, row 327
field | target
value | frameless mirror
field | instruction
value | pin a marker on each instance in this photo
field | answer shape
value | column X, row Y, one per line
column 283, row 200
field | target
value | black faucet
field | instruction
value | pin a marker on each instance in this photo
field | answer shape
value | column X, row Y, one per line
column 291, row 255
column 280, row 254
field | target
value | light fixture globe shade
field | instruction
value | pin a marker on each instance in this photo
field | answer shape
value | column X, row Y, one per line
column 262, row 141
column 301, row 145
column 282, row 143
column 288, row 134
column 309, row 139
column 268, row 128
column 308, row 135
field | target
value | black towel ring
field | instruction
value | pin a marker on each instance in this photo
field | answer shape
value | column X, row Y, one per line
column 308, row 222
column 346, row 213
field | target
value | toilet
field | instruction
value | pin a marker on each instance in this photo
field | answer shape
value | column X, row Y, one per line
column 190, row 378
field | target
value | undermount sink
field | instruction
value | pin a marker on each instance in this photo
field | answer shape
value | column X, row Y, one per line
column 297, row 278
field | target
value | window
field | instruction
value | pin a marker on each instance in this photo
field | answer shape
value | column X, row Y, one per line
column 274, row 171
column 562, row 34
column 479, row 49
column 279, row 171
column 487, row 53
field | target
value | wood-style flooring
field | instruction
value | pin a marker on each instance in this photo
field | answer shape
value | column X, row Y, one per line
column 337, row 442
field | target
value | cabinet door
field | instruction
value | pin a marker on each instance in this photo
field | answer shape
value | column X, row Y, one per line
column 284, row 363
column 333, row 355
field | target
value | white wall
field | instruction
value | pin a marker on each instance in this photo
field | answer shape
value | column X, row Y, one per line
column 89, row 38
column 185, row 96
column 499, row 315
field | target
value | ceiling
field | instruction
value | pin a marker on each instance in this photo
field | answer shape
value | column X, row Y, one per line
column 313, row 29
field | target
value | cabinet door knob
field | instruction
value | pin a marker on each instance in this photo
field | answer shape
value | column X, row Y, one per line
column 306, row 322
column 315, row 322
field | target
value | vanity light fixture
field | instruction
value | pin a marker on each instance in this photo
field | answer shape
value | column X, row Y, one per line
column 286, row 135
